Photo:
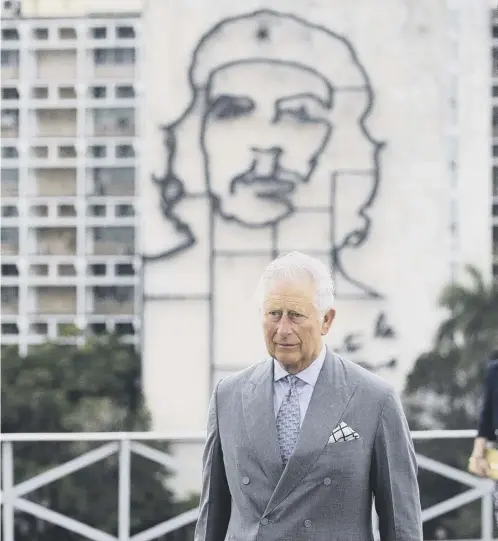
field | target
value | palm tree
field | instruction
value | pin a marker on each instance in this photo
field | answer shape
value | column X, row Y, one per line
column 443, row 390
column 472, row 323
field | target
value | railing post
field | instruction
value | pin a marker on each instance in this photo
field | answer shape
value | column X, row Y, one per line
column 487, row 518
column 124, row 490
column 8, row 483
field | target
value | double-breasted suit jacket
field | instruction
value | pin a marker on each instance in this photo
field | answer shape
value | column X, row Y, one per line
column 326, row 490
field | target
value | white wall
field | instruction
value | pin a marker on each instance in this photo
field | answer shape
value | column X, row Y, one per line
column 405, row 49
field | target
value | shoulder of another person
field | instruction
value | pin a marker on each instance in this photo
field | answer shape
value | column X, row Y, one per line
column 493, row 366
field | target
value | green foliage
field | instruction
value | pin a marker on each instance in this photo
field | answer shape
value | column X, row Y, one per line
column 95, row 388
column 444, row 391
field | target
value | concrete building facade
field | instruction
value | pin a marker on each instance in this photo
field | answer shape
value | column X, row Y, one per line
column 358, row 135
column 157, row 155
column 70, row 164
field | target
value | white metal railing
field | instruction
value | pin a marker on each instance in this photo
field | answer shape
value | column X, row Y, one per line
column 124, row 444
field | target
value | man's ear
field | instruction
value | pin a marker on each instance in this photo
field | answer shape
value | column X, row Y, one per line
column 327, row 321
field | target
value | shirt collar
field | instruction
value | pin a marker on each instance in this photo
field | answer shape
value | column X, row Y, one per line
column 308, row 375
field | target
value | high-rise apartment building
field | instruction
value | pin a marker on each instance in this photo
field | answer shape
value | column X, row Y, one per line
column 69, row 167
column 494, row 27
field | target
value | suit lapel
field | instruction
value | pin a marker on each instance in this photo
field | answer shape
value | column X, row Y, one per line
column 259, row 417
column 330, row 398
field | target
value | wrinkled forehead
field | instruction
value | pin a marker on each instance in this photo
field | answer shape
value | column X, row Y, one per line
column 290, row 291
column 271, row 79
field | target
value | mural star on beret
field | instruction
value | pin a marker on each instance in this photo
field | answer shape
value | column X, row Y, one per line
column 263, row 34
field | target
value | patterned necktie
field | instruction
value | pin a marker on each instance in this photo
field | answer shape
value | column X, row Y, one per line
column 289, row 420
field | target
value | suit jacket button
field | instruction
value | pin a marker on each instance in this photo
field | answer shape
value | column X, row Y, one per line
column 264, row 521
column 327, row 481
column 307, row 523
column 245, row 480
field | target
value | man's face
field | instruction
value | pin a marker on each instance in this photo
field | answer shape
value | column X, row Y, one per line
column 264, row 131
column 292, row 326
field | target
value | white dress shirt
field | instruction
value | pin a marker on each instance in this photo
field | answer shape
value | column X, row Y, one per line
column 305, row 384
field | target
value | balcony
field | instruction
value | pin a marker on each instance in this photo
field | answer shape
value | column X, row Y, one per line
column 10, row 300
column 50, row 183
column 56, row 65
column 55, row 300
column 125, row 446
column 55, row 123
column 9, row 70
column 118, row 300
column 10, row 241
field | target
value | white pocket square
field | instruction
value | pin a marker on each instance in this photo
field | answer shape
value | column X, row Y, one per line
column 343, row 432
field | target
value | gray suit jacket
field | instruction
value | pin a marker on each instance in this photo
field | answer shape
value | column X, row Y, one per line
column 325, row 493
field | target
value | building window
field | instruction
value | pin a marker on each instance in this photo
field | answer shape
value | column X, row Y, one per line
column 98, row 328
column 97, row 151
column 9, row 152
column 9, row 58
column 125, row 92
column 98, row 92
column 122, row 328
column 38, row 328
column 114, row 122
column 9, row 211
column 10, row 328
column 67, row 33
column 40, row 92
column 114, row 240
column 124, row 56
column 98, row 269
column 10, row 270
column 10, row 119
column 10, row 182
column 125, row 151
column 67, row 93
column 39, row 152
column 10, row 34
column 67, row 211
column 38, row 270
column 118, row 181
column 68, row 151
column 125, row 269
column 40, row 33
column 98, row 32
column 97, row 211
column 10, row 93
column 124, row 211
column 495, row 181
column 10, row 295
column 118, row 294
column 125, row 32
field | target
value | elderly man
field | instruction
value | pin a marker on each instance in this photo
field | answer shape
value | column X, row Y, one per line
column 299, row 444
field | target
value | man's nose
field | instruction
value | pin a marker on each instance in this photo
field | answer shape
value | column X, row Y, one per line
column 284, row 327
column 265, row 160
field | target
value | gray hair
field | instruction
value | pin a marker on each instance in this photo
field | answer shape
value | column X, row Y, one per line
column 299, row 266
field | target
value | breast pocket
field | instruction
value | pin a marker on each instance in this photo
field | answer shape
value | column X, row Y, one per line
column 340, row 447
column 343, row 460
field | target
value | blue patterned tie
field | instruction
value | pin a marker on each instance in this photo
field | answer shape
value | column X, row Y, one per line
column 289, row 420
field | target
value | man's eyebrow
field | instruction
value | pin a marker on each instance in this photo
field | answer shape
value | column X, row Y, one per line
column 326, row 104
